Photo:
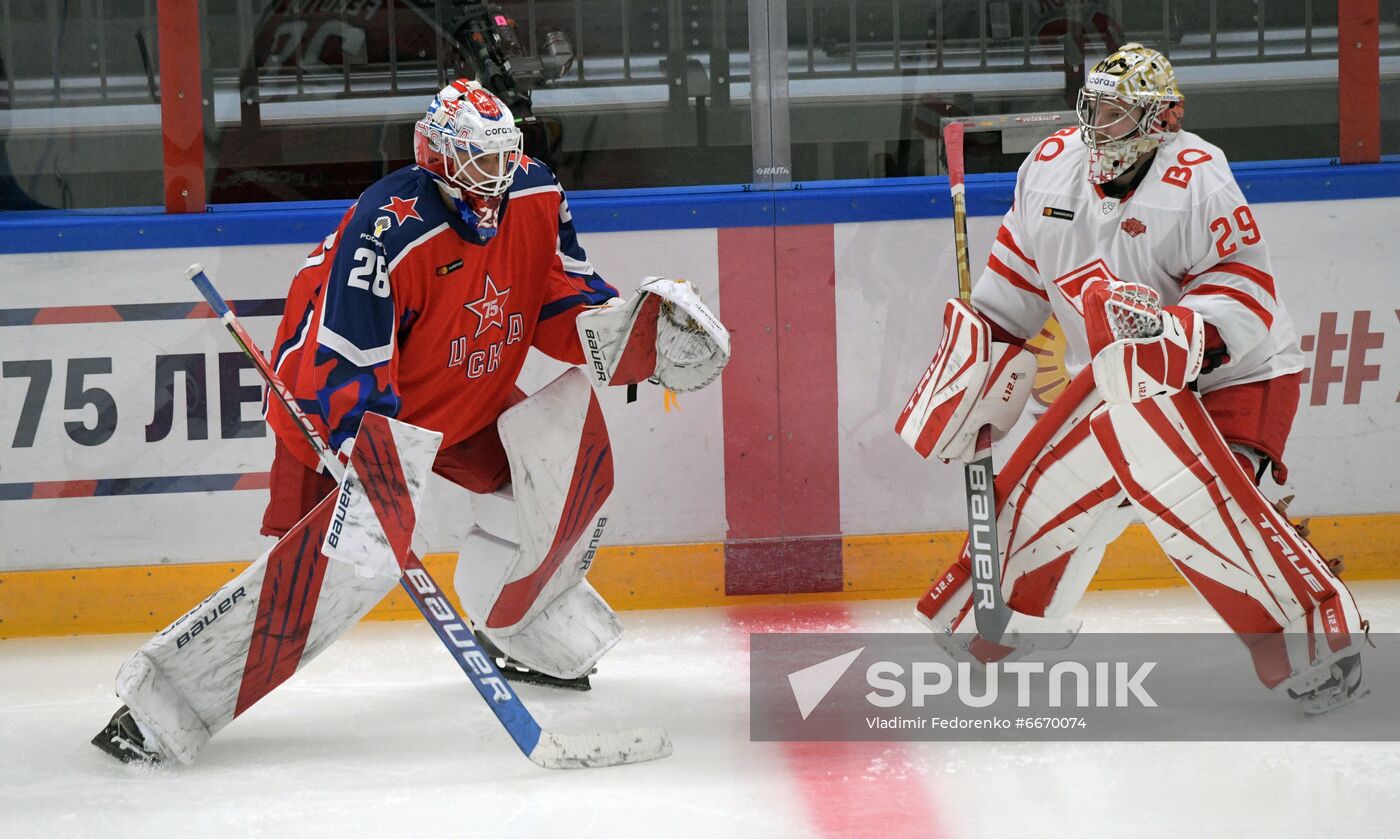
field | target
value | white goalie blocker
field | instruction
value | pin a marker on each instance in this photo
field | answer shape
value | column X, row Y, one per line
column 521, row 572
column 214, row 662
column 664, row 334
column 972, row 381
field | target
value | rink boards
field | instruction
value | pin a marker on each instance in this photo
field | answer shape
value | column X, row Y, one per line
column 133, row 458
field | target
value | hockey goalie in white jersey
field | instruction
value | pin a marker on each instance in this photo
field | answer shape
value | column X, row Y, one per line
column 1133, row 233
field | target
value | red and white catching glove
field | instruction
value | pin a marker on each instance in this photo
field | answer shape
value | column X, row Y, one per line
column 1140, row 350
column 973, row 381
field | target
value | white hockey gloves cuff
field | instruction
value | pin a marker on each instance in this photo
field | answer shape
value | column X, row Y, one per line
column 1134, row 369
column 664, row 334
column 973, row 381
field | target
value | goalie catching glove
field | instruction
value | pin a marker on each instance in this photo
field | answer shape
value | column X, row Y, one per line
column 973, row 381
column 664, row 334
column 1140, row 350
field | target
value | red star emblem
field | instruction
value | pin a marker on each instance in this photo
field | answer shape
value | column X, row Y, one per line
column 402, row 208
column 490, row 309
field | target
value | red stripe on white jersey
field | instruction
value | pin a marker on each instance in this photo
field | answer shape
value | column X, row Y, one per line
column 1005, row 238
column 1014, row 278
column 1246, row 300
column 1239, row 269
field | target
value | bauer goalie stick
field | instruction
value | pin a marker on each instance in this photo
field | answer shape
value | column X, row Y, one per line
column 544, row 748
column 994, row 619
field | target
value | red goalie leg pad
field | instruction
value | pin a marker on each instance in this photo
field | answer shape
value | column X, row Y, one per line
column 1244, row 557
column 286, row 606
column 1050, row 495
column 1295, row 558
column 589, row 487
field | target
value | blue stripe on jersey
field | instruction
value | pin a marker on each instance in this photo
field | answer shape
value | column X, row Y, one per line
column 344, row 375
column 296, row 338
column 600, row 294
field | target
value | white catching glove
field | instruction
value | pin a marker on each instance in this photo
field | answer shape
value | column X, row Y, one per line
column 664, row 334
column 1140, row 351
column 973, row 381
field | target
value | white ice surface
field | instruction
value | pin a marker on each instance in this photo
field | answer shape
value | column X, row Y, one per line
column 383, row 737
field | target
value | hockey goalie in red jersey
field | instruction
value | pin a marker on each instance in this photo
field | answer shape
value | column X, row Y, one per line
column 421, row 306
column 1133, row 233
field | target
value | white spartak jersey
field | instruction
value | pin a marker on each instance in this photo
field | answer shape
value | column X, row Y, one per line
column 1186, row 231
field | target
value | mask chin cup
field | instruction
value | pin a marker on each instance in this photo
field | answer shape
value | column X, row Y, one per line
column 482, row 215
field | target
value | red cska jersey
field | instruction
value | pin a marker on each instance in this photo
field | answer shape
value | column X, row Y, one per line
column 404, row 310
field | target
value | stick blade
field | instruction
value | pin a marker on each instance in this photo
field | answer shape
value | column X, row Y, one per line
column 1030, row 632
column 589, row 751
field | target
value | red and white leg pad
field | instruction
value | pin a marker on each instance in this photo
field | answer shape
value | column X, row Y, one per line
column 1267, row 582
column 521, row 569
column 1058, row 507
column 245, row 639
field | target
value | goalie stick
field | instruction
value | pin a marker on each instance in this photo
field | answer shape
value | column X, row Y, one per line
column 995, row 620
column 544, row 748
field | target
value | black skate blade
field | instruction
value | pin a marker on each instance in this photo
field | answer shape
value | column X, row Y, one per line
column 534, row 677
column 520, row 674
column 113, row 741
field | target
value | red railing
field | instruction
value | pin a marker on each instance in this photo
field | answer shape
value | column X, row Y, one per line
column 1358, row 81
column 181, row 105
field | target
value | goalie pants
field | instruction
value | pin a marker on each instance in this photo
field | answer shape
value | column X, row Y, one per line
column 1086, row 470
column 477, row 463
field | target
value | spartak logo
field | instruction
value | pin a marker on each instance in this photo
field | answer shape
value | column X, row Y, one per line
column 1133, row 227
column 1071, row 284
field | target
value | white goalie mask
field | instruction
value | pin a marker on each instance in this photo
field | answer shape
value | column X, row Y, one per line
column 1129, row 105
column 469, row 141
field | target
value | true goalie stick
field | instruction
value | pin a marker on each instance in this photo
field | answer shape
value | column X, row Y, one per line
column 994, row 619
column 544, row 748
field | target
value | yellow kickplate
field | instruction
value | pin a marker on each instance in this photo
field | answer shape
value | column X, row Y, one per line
column 145, row 599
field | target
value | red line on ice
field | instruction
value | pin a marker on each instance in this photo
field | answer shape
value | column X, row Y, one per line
column 842, row 790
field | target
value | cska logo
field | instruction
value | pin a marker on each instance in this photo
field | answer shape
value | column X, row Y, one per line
column 484, row 103
column 490, row 310
column 1133, row 227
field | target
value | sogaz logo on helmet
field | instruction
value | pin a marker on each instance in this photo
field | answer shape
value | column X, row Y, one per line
column 1102, row 82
